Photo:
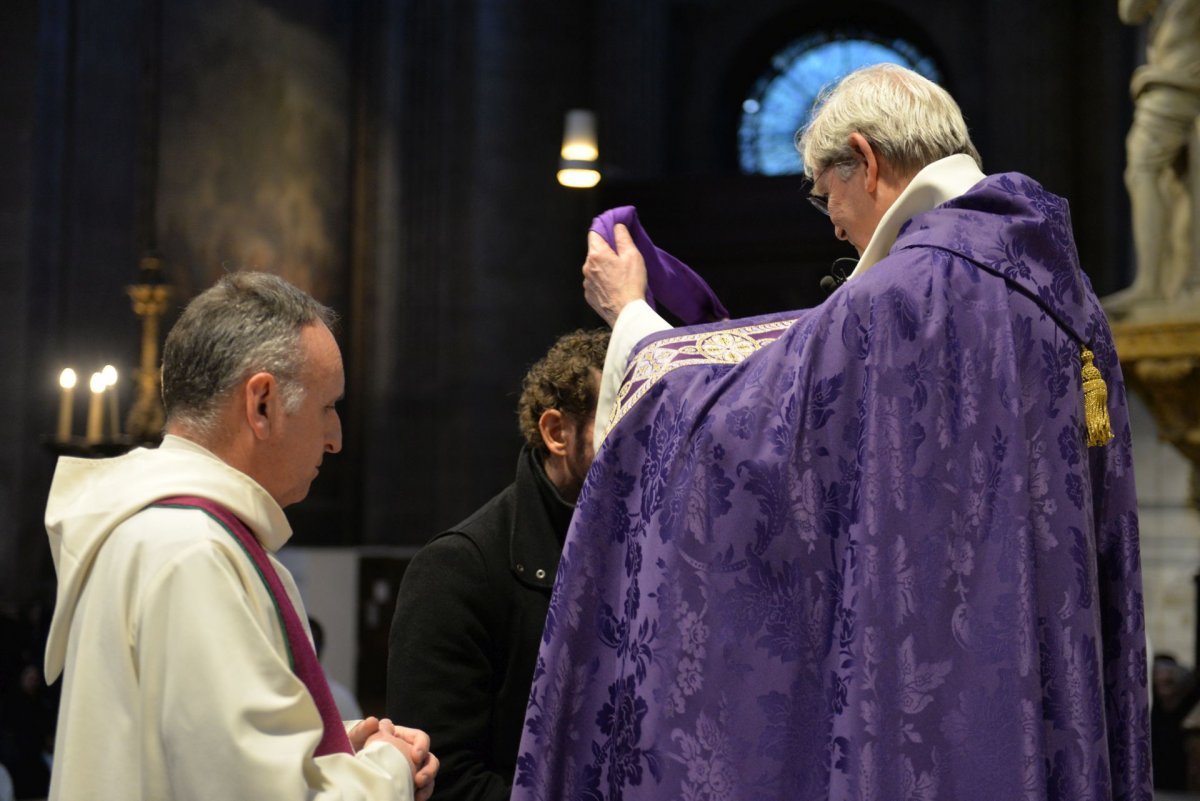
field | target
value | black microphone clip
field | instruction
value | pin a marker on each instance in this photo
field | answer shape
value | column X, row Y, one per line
column 839, row 272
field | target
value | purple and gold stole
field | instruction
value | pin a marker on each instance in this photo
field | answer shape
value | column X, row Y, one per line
column 301, row 656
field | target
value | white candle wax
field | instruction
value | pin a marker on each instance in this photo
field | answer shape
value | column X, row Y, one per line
column 95, row 418
column 66, row 404
column 110, row 379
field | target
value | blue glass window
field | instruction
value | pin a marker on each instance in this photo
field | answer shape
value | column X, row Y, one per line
column 779, row 103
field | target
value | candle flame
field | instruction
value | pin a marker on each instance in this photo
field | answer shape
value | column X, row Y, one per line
column 98, row 384
column 67, row 379
column 110, row 375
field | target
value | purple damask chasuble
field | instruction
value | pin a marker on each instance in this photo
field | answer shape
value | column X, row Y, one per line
column 861, row 551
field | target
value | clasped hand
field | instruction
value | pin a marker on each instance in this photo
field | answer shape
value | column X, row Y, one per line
column 413, row 743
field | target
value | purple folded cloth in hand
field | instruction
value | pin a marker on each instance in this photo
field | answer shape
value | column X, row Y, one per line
column 675, row 285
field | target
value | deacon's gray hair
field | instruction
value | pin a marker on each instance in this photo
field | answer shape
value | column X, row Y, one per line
column 248, row 323
column 909, row 120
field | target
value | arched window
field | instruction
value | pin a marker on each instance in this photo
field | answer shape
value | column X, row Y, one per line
column 782, row 97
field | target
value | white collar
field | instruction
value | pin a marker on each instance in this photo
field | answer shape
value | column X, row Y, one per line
column 936, row 183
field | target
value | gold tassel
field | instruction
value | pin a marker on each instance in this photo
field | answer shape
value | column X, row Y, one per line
column 1095, row 403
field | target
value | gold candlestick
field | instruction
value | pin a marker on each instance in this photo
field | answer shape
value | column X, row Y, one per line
column 145, row 421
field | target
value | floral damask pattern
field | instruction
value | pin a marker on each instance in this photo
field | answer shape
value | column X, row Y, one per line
column 873, row 559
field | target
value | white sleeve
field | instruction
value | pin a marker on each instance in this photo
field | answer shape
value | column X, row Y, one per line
column 636, row 321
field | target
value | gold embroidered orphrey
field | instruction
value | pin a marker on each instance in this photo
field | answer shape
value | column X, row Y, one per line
column 651, row 363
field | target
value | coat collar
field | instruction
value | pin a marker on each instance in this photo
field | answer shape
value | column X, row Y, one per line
column 539, row 524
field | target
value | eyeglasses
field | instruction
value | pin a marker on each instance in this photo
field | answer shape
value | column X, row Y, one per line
column 821, row 202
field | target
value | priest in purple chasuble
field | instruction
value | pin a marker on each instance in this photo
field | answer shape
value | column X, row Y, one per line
column 884, row 548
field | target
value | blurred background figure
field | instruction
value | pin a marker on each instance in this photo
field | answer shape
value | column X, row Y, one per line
column 1175, row 692
column 28, row 708
column 347, row 704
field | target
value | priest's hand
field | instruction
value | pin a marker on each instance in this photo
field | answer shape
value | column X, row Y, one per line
column 414, row 744
column 361, row 731
column 613, row 279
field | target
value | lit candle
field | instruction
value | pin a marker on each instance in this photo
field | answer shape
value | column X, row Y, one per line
column 95, row 418
column 110, row 380
column 66, row 406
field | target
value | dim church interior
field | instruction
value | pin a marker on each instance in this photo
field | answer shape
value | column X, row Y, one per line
column 397, row 160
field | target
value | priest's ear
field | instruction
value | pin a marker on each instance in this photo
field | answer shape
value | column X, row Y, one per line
column 863, row 149
column 261, row 403
column 553, row 425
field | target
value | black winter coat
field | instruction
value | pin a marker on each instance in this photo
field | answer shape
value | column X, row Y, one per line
column 467, row 628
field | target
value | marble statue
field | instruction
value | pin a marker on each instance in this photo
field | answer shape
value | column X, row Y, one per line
column 1162, row 171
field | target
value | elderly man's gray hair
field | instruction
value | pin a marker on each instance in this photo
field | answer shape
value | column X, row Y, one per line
column 249, row 322
column 908, row 119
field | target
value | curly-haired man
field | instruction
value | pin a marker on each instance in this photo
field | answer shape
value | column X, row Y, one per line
column 473, row 601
